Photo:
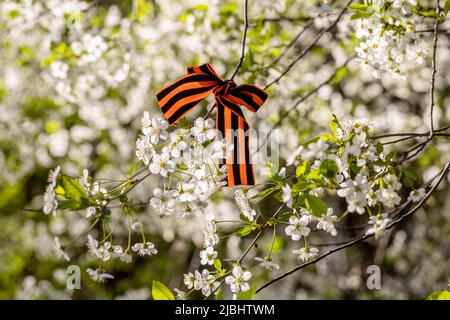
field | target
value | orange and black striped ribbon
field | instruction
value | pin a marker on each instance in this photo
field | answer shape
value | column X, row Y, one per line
column 200, row 81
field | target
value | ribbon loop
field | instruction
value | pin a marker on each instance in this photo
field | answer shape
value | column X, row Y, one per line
column 180, row 97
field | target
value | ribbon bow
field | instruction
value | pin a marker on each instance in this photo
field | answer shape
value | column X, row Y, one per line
column 184, row 94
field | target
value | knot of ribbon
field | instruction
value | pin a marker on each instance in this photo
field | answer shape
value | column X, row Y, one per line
column 180, row 97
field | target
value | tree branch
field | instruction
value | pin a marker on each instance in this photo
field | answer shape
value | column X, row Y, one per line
column 432, row 30
column 362, row 237
column 244, row 38
column 410, row 134
column 433, row 70
column 309, row 47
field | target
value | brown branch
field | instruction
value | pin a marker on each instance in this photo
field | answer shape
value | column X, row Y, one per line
column 410, row 134
column 411, row 137
column 309, row 47
column 244, row 38
column 284, row 18
column 362, row 237
column 432, row 30
column 433, row 70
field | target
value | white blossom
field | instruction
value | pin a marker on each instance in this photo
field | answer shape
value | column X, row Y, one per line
column 416, row 195
column 267, row 263
column 163, row 202
column 144, row 249
column 306, row 253
column 298, row 227
column 203, row 130
column 59, row 252
column 327, row 222
column 99, row 276
column 208, row 256
column 379, row 224
column 238, row 280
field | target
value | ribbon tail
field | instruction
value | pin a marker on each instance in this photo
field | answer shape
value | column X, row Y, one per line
column 235, row 130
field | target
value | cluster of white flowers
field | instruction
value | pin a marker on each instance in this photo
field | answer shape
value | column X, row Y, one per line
column 107, row 251
column 187, row 159
column 97, row 194
column 388, row 37
column 204, row 281
column 359, row 171
column 360, row 156
column 378, row 225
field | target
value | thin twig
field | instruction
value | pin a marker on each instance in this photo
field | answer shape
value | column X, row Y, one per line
column 301, row 100
column 432, row 30
column 210, row 109
column 411, row 134
column 412, row 137
column 244, row 38
column 283, row 18
column 362, row 237
column 309, row 47
column 433, row 70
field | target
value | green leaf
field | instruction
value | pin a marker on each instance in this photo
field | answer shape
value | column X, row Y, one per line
column 447, row 7
column 59, row 191
column 161, row 292
column 429, row 13
column 334, row 125
column 328, row 168
column 312, row 140
column 302, row 169
column 439, row 295
column 315, row 205
column 244, row 231
column 339, row 75
column 132, row 170
column 73, row 189
column 267, row 191
column 360, row 15
column 279, row 197
column 410, row 174
column 218, row 264
column 300, row 200
column 46, row 62
column 358, row 7
column 315, row 175
column 379, row 147
column 248, row 295
column 66, row 204
column 355, row 169
column 302, row 186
